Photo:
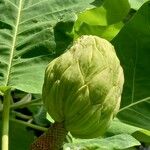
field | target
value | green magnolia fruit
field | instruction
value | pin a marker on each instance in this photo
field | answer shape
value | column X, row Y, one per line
column 83, row 87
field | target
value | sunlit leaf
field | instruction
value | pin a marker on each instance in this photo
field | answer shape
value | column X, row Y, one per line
column 27, row 40
column 117, row 142
column 105, row 21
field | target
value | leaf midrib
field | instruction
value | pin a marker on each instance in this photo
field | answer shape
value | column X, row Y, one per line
column 12, row 49
column 135, row 103
column 134, row 72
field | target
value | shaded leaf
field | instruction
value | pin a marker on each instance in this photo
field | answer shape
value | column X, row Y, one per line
column 132, row 46
column 40, row 117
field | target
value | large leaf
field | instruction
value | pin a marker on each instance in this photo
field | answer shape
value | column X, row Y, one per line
column 106, row 32
column 118, row 127
column 117, row 142
column 27, row 39
column 104, row 21
column 133, row 48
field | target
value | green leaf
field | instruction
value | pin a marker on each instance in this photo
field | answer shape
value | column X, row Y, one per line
column 62, row 36
column 116, row 10
column 49, row 118
column 118, row 127
column 116, row 142
column 136, row 4
column 132, row 148
column 109, row 13
column 104, row 21
column 142, row 135
column 27, row 40
column 40, row 117
column 132, row 46
column 106, row 32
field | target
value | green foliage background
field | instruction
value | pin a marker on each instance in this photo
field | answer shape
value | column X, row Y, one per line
column 34, row 32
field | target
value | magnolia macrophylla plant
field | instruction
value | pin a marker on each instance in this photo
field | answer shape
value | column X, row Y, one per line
column 82, row 87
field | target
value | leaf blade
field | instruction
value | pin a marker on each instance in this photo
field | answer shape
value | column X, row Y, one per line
column 133, row 50
column 27, row 38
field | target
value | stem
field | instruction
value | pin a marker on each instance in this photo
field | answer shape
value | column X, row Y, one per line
column 52, row 139
column 18, row 114
column 5, row 120
column 30, row 125
column 24, row 104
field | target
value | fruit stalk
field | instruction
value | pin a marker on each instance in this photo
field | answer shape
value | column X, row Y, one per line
column 52, row 139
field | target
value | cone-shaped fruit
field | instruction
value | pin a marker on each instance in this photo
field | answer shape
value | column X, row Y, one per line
column 83, row 87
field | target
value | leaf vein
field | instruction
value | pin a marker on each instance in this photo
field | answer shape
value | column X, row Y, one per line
column 13, row 44
column 12, row 4
column 143, row 116
column 135, row 103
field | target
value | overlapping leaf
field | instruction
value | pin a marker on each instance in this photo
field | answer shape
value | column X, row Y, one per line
column 118, row 127
column 136, row 4
column 27, row 39
column 133, row 48
column 118, row 142
column 104, row 21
